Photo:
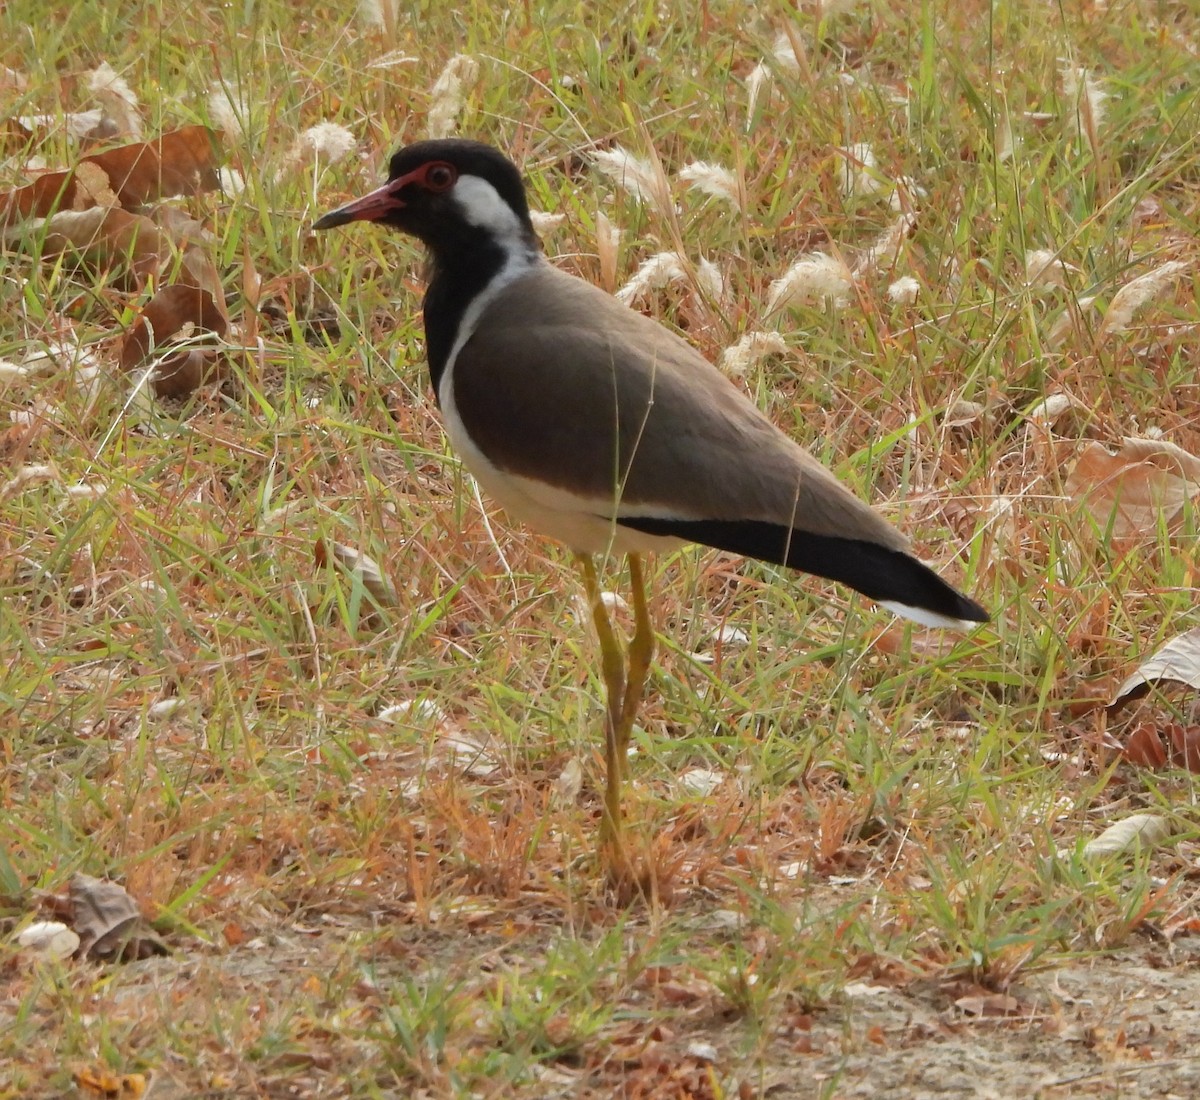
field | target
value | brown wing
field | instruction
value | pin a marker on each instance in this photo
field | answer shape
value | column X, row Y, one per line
column 562, row 384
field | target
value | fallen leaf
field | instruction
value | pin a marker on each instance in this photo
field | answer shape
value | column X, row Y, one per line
column 51, row 938
column 190, row 314
column 1145, row 747
column 962, row 413
column 1185, row 745
column 105, row 236
column 48, row 192
column 568, row 783
column 702, row 1051
column 866, row 989
column 1048, row 412
column 362, row 567
column 182, row 162
column 103, row 1085
column 701, row 782
column 1133, row 833
column 1178, row 661
column 109, row 923
column 1131, row 492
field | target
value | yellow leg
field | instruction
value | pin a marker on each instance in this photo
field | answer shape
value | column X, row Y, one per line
column 613, row 665
column 641, row 651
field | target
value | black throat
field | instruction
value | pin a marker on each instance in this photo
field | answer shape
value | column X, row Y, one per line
column 457, row 277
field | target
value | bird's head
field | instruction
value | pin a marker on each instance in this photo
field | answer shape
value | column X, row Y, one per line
column 448, row 193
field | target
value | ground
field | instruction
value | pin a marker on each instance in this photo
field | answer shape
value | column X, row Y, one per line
column 283, row 696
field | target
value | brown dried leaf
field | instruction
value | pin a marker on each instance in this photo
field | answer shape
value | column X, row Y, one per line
column 51, row 191
column 182, row 162
column 1148, row 481
column 109, row 923
column 108, row 235
column 1178, row 661
column 104, row 235
column 178, row 310
column 1144, row 747
column 1185, row 746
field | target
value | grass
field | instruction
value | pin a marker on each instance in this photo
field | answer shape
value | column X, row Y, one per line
column 358, row 827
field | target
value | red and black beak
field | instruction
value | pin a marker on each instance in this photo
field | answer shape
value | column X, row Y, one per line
column 371, row 207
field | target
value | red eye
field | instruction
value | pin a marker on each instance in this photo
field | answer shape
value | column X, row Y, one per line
column 440, row 176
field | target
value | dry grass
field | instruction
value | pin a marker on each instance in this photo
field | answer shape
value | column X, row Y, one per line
column 359, row 828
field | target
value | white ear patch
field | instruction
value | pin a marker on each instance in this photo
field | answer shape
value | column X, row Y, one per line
column 482, row 206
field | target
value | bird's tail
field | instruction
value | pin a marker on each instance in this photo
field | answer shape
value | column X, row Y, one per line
column 893, row 578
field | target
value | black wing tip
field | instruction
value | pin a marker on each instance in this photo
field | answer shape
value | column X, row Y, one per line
column 881, row 573
column 970, row 611
column 914, row 583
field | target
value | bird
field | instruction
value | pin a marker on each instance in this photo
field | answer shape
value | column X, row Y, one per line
column 599, row 427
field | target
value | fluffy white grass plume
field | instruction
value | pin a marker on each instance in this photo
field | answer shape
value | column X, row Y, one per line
column 117, row 99
column 710, row 282
column 814, row 277
column 640, row 178
column 861, row 174
column 393, row 59
column 750, row 349
column 228, row 113
column 327, row 143
column 660, row 270
column 379, row 13
column 1072, row 320
column 716, row 181
column 904, row 290
column 448, row 94
column 1087, row 101
column 85, row 368
column 1043, row 268
column 885, row 249
column 608, row 242
column 784, row 53
column 907, row 194
column 1137, row 292
column 759, row 78
column 79, row 124
column 1005, row 141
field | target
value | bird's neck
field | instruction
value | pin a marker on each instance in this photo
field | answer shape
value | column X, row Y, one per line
column 458, row 279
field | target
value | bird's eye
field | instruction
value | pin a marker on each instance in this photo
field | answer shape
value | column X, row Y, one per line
column 440, row 177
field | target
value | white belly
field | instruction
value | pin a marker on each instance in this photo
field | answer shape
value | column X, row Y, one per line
column 585, row 525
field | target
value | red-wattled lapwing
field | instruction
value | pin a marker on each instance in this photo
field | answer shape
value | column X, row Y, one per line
column 602, row 429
